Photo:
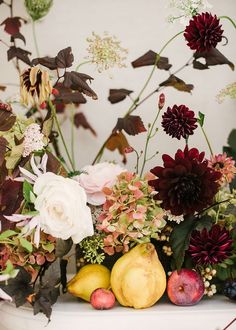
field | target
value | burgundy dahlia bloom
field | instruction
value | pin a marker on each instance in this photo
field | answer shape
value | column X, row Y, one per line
column 210, row 247
column 203, row 32
column 185, row 184
column 179, row 121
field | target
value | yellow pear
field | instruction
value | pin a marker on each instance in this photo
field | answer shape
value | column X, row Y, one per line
column 138, row 278
column 89, row 278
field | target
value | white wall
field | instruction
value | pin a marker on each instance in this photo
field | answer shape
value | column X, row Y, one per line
column 140, row 25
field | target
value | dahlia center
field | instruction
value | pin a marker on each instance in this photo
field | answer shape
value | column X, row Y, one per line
column 188, row 189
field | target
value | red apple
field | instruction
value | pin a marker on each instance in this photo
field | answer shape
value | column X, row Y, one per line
column 185, row 288
column 102, row 299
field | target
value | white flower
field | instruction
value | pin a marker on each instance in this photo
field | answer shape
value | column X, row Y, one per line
column 96, row 177
column 186, row 9
column 175, row 218
column 33, row 139
column 61, row 203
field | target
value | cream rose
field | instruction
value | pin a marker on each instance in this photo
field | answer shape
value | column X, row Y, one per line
column 62, row 207
column 96, row 177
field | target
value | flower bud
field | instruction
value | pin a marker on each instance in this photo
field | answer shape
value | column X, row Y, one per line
column 128, row 150
column 38, row 8
column 161, row 102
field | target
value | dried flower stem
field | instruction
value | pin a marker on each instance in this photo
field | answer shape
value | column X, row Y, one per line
column 82, row 63
column 53, row 109
column 135, row 103
column 14, row 42
column 228, row 325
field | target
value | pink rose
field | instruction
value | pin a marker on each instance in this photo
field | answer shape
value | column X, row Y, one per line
column 96, row 177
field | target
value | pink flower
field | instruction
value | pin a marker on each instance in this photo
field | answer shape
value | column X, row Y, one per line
column 225, row 165
column 97, row 177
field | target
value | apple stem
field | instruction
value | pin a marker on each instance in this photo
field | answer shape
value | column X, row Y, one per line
column 228, row 325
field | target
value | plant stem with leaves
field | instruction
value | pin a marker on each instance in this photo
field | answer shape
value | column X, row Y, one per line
column 136, row 100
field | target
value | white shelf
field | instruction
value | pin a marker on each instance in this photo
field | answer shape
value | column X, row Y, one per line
column 209, row 314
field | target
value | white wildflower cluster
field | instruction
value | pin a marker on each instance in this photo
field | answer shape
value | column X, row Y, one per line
column 186, row 9
column 33, row 139
column 229, row 90
column 174, row 218
column 207, row 275
column 106, row 52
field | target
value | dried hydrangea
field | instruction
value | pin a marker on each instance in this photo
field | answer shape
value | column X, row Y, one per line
column 33, row 140
column 130, row 214
column 186, row 9
column 38, row 8
column 106, row 51
column 19, row 253
column 229, row 90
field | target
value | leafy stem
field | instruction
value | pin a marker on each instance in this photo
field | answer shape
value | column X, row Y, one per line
column 35, row 38
column 149, row 136
column 136, row 102
column 207, row 140
column 53, row 109
column 229, row 19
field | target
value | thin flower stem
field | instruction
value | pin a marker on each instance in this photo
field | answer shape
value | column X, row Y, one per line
column 82, row 63
column 52, row 107
column 35, row 38
column 149, row 136
column 229, row 19
column 207, row 141
column 72, row 136
column 17, row 65
column 136, row 100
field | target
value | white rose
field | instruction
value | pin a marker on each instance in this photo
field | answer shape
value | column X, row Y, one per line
column 62, row 207
column 96, row 177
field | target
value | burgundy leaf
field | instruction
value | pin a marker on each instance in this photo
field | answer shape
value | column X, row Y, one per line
column 118, row 141
column 149, row 58
column 3, row 147
column 55, row 166
column 12, row 25
column 7, row 120
column 1, row 1
column 48, row 62
column 18, row 36
column 178, row 84
column 212, row 57
column 64, row 58
column 77, row 81
column 117, row 95
column 81, row 120
column 19, row 53
column 132, row 125
column 11, row 197
column 73, row 97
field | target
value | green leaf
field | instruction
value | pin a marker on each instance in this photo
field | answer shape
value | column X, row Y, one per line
column 27, row 189
column 232, row 139
column 204, row 222
column 48, row 247
column 47, row 124
column 229, row 262
column 26, row 244
column 9, row 268
column 179, row 239
column 231, row 209
column 201, row 118
column 6, row 234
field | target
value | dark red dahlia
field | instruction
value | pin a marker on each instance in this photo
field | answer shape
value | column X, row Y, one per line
column 210, row 247
column 186, row 184
column 179, row 121
column 203, row 32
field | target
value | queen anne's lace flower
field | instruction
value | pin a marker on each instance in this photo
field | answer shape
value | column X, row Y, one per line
column 106, row 52
column 229, row 90
column 186, row 9
column 33, row 140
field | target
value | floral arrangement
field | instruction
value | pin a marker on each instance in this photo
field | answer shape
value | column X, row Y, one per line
column 185, row 207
